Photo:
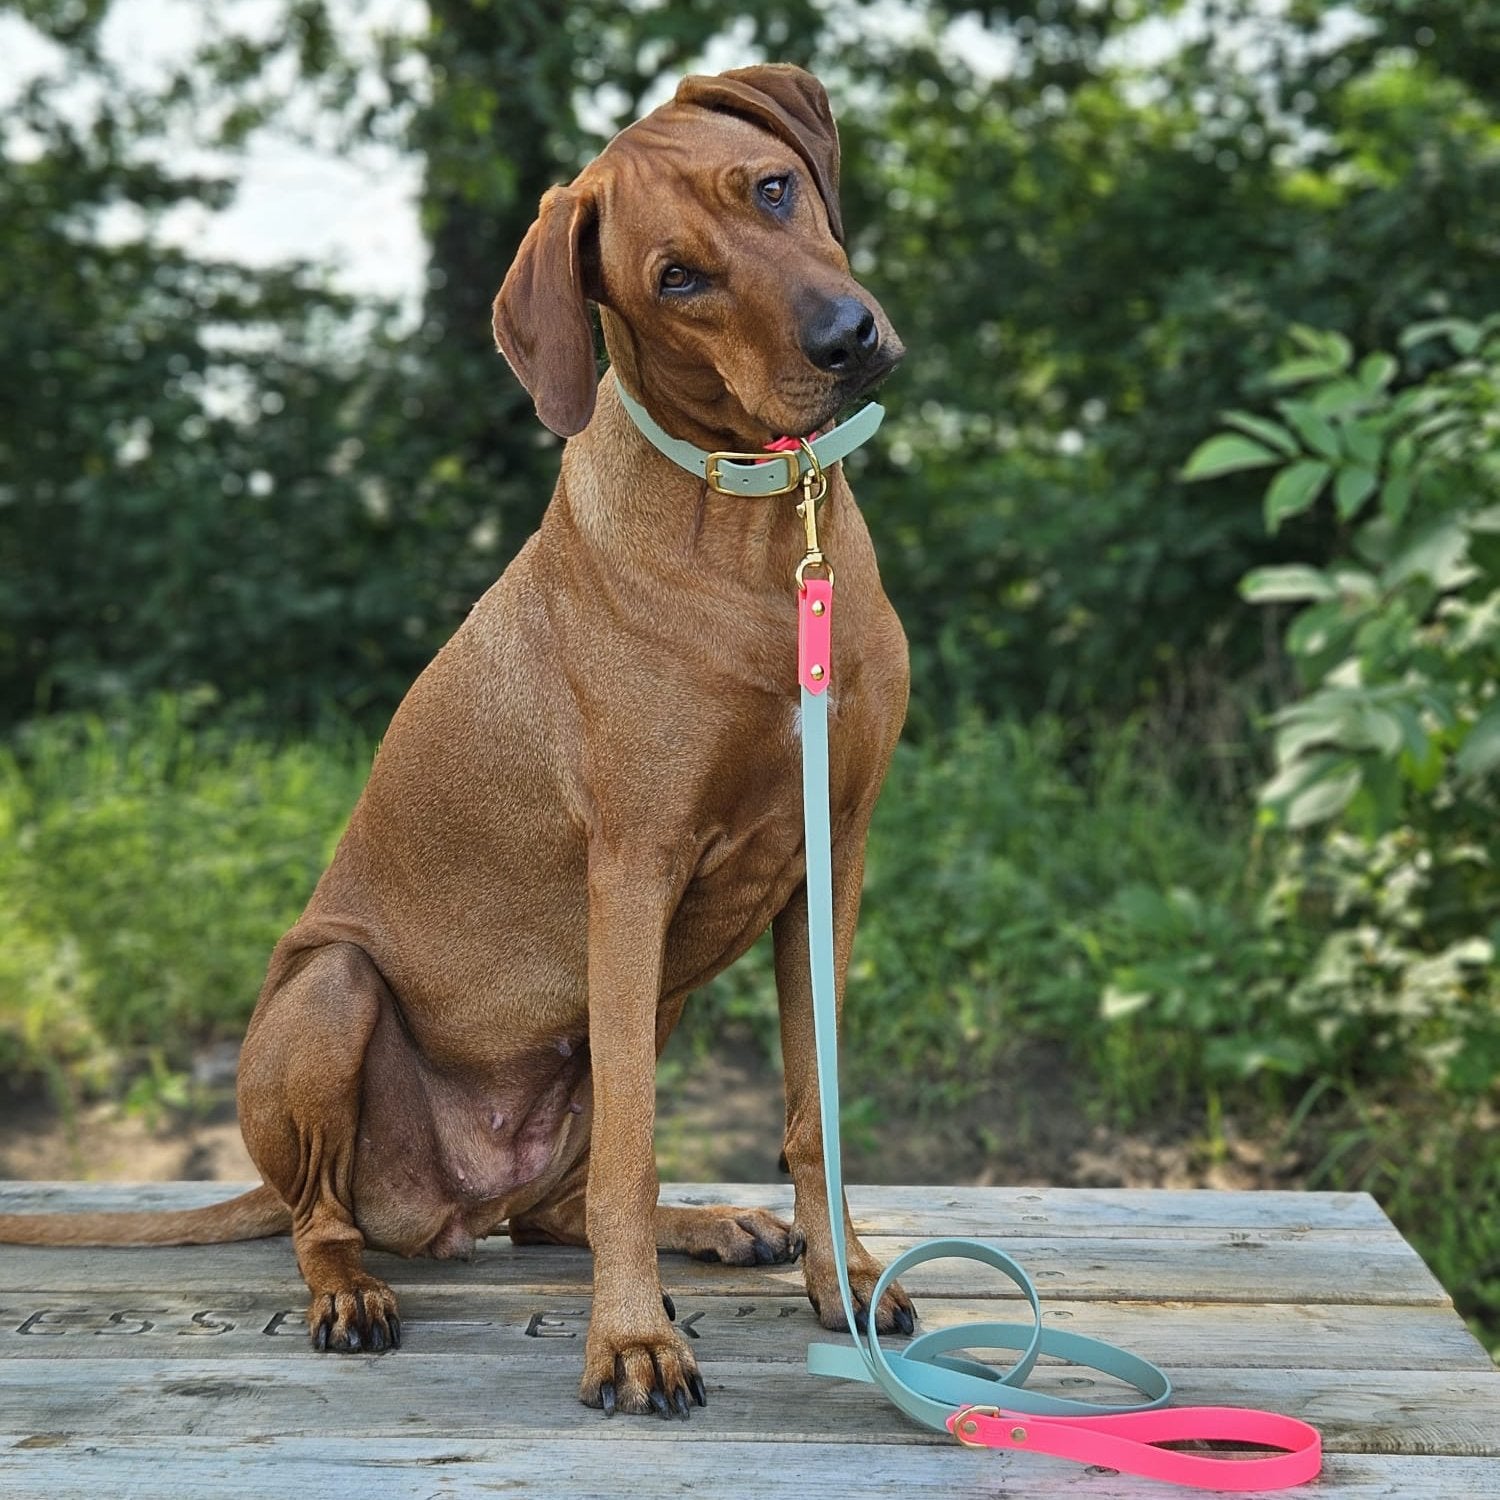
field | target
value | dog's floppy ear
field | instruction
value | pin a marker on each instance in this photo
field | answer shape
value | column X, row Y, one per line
column 541, row 315
column 792, row 105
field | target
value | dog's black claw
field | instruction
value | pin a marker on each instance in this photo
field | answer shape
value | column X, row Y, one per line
column 374, row 1334
column 862, row 1319
column 904, row 1323
column 680, row 1403
column 395, row 1323
column 695, row 1380
column 709, row 1255
column 607, row 1397
column 320, row 1338
column 670, row 1306
column 658, row 1402
column 796, row 1245
column 352, row 1343
column 781, row 1165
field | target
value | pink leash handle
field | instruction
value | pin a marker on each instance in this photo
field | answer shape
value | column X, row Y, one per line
column 1127, row 1442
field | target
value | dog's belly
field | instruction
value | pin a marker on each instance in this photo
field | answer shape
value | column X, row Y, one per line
column 442, row 1158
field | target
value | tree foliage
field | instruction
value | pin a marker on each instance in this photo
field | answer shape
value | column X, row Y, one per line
column 232, row 477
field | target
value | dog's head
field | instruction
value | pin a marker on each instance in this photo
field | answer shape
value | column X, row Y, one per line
column 709, row 233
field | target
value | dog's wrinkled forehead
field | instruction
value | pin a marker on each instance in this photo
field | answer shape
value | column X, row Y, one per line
column 772, row 112
column 681, row 147
column 685, row 169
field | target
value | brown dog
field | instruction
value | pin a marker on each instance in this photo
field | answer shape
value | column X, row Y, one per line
column 588, row 804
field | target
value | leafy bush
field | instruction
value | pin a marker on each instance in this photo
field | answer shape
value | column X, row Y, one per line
column 1400, row 640
column 1385, row 767
column 1383, row 804
column 147, row 868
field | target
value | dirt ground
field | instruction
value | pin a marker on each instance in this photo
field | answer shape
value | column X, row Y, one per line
column 719, row 1119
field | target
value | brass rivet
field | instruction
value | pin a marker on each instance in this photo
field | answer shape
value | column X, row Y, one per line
column 817, row 606
column 1018, row 1434
column 969, row 1428
column 816, row 674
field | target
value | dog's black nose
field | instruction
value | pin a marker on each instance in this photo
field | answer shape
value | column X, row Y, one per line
column 840, row 336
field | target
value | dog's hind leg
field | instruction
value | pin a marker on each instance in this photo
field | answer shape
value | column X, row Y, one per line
column 715, row 1232
column 735, row 1236
column 300, row 1085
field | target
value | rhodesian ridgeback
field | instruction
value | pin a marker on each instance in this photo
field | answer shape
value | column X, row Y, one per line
column 588, row 804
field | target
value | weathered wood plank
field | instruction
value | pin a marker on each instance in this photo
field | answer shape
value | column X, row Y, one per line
column 1239, row 1266
column 334, row 1466
column 1412, row 1412
column 1020, row 1212
column 1310, row 1304
column 1015, row 1212
column 230, row 1323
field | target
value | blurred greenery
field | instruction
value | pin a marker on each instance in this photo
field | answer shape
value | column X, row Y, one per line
column 148, row 864
column 1200, row 777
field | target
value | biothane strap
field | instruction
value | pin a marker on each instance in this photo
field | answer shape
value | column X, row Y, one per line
column 979, row 1404
column 765, row 477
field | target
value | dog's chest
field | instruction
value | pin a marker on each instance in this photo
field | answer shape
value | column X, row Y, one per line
column 748, row 844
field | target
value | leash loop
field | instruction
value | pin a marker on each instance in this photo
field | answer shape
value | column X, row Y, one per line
column 929, row 1379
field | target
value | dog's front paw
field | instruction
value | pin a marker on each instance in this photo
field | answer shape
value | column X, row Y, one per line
column 896, row 1314
column 360, row 1316
column 640, row 1374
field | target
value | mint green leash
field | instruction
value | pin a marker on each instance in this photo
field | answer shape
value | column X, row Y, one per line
column 924, row 1379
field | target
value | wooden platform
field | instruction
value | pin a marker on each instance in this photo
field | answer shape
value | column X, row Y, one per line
column 186, row 1372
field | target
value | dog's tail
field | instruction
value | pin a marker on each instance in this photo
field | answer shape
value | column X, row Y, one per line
column 251, row 1216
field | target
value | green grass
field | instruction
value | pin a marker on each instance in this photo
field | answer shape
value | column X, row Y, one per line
column 147, row 868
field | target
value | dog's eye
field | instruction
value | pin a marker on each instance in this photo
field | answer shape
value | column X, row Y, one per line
column 773, row 191
column 677, row 279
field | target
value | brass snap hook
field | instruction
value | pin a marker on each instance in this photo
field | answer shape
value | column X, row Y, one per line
column 814, row 487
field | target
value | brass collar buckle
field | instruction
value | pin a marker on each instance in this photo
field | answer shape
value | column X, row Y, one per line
column 715, row 479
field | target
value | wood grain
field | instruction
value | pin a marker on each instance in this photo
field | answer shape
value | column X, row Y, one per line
column 228, row 1324
column 515, row 1396
column 598, row 1469
column 1254, row 1269
column 924, row 1211
column 178, row 1372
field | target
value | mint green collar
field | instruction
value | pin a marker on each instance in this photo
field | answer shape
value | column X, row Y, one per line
column 747, row 474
